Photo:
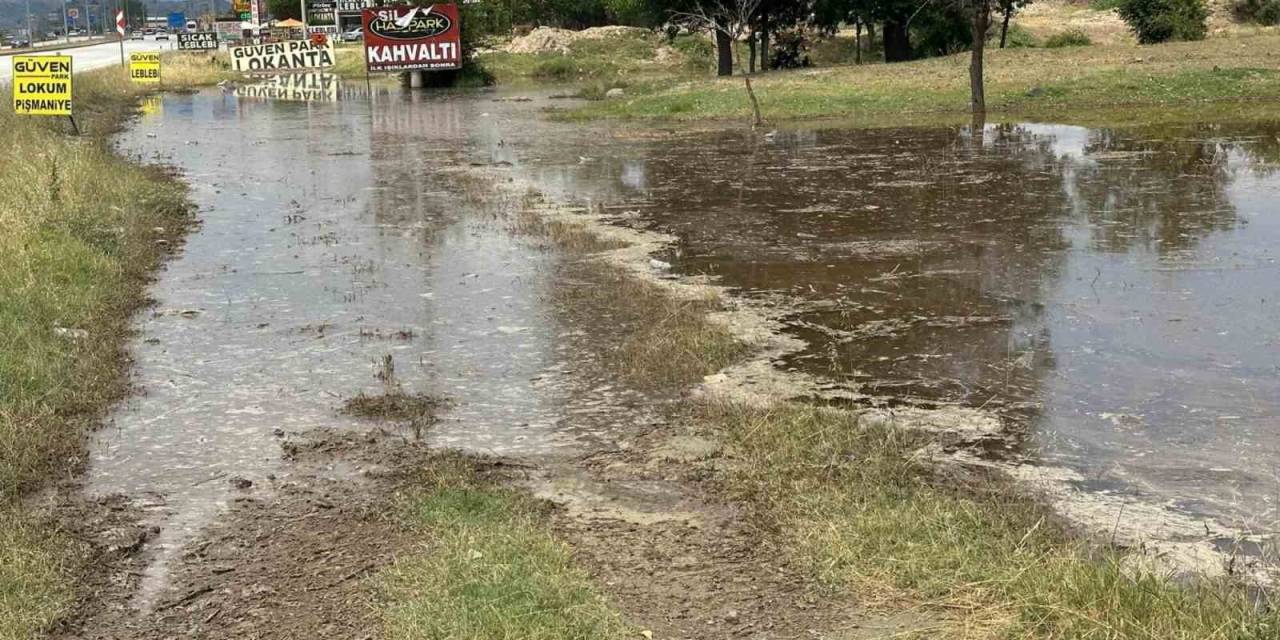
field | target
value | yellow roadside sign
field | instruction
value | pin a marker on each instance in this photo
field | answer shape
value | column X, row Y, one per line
column 42, row 85
column 144, row 67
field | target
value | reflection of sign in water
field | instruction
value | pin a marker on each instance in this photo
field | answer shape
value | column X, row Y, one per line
column 152, row 105
column 290, row 54
column 144, row 67
column 404, row 38
column 198, row 41
column 42, row 85
column 310, row 87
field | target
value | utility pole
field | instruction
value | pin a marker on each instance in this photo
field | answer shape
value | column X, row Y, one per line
column 88, row 27
column 30, row 41
column 66, row 32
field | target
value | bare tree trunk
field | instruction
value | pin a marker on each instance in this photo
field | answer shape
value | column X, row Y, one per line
column 751, row 52
column 1004, row 27
column 871, row 35
column 764, row 41
column 857, row 42
column 897, row 41
column 724, row 51
column 755, row 104
column 981, row 20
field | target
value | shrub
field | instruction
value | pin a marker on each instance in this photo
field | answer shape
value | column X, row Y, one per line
column 1105, row 5
column 1163, row 20
column 1017, row 38
column 790, row 50
column 1264, row 12
column 1069, row 38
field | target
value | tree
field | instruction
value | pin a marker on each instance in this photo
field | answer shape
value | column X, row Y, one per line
column 285, row 9
column 1007, row 9
column 981, row 21
column 730, row 20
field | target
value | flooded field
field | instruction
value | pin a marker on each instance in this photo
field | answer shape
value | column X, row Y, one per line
column 1110, row 295
column 304, row 277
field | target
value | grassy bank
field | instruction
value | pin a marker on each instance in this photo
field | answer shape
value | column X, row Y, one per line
column 487, row 567
column 81, row 229
column 854, row 504
column 849, row 500
column 1064, row 83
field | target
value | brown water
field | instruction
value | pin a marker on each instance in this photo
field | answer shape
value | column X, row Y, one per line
column 332, row 235
column 1110, row 294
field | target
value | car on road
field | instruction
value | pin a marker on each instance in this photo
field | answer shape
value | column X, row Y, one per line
column 18, row 43
column 135, row 35
column 161, row 34
column 354, row 35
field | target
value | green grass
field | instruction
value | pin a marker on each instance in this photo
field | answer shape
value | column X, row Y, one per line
column 1022, row 82
column 488, row 568
column 33, row 572
column 79, row 227
column 852, row 504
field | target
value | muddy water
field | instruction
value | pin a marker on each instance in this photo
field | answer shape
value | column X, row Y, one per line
column 1112, row 295
column 332, row 235
column 1109, row 294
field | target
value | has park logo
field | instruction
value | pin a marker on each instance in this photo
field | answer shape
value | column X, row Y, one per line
column 420, row 22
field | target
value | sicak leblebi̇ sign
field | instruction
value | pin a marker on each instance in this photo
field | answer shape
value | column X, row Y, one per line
column 281, row 56
column 198, row 41
column 409, row 38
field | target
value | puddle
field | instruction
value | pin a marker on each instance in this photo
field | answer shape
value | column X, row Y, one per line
column 331, row 236
column 1109, row 295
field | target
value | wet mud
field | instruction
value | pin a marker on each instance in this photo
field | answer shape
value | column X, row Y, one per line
column 1090, row 307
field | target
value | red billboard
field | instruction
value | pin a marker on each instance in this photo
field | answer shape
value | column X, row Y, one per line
column 408, row 38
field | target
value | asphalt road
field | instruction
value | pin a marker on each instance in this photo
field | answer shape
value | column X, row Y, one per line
column 93, row 57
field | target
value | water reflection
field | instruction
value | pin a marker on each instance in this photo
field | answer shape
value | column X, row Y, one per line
column 1109, row 293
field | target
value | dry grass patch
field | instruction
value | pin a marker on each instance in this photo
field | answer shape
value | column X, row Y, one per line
column 1023, row 81
column 856, row 505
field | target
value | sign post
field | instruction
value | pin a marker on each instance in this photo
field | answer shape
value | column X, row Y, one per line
column 120, row 25
column 144, row 67
column 42, row 86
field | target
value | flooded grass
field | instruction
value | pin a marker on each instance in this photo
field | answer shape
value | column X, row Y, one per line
column 653, row 339
column 855, row 505
column 487, row 568
column 81, row 229
column 396, row 406
column 1023, row 81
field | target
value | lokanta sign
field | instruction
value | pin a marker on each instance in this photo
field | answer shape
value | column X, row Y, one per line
column 408, row 38
column 276, row 56
column 144, row 67
column 42, row 85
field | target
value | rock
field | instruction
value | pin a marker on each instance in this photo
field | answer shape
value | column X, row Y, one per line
column 732, row 616
column 615, row 92
column 1035, row 92
column 659, row 264
column 241, row 483
column 74, row 334
column 277, row 432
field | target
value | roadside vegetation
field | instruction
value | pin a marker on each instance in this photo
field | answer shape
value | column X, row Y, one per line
column 81, row 229
column 487, row 566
